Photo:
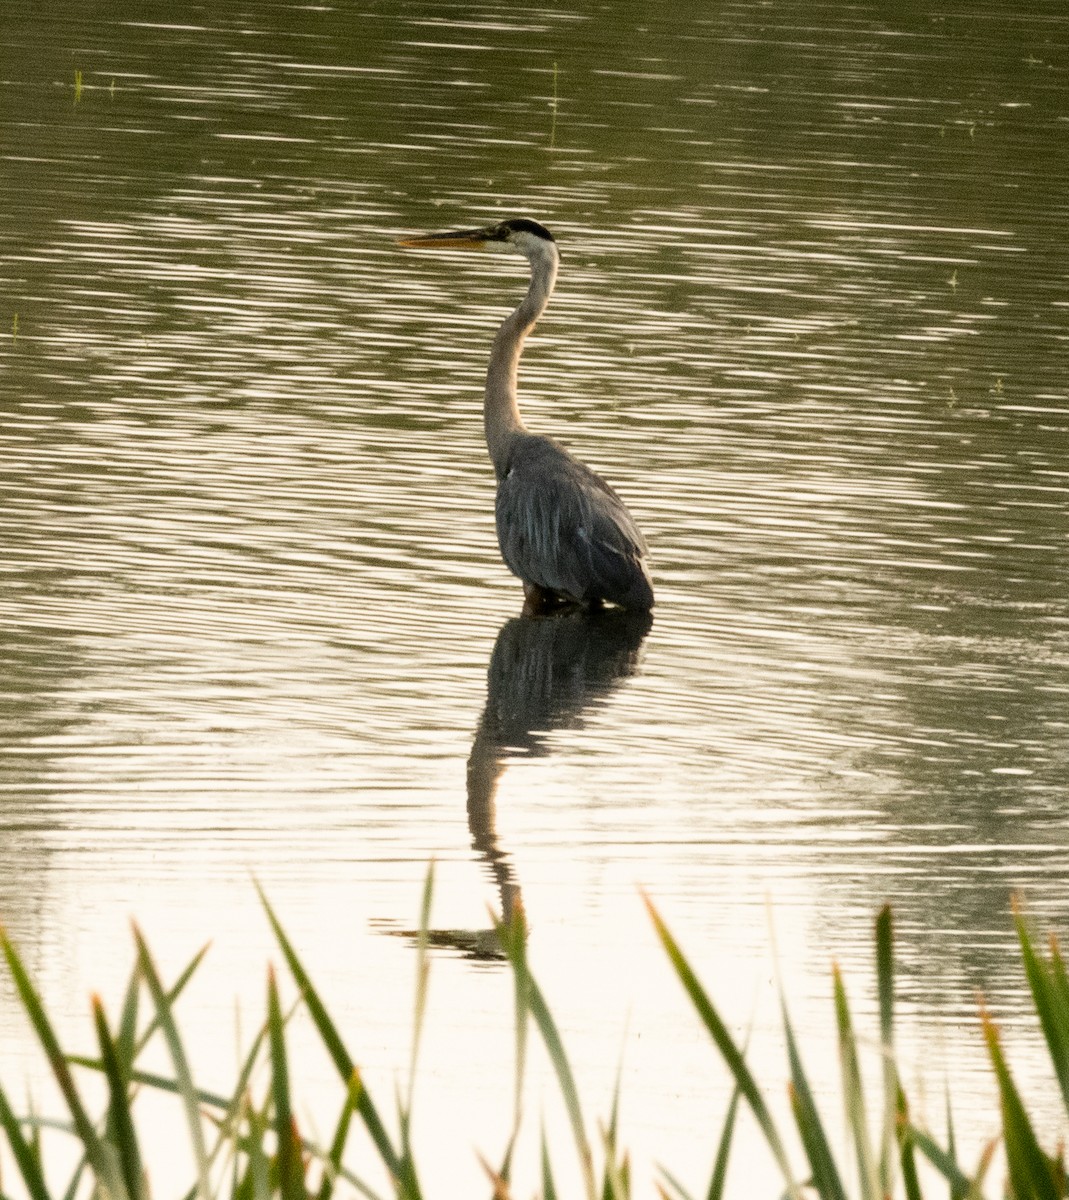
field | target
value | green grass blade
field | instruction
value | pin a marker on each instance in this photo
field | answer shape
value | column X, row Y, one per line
column 341, row 1134
column 536, row 1005
column 183, row 1078
column 259, row 1173
column 854, row 1094
column 956, row 1192
column 1050, row 995
column 549, row 1188
column 1030, row 1169
column 422, row 978
column 531, row 1003
column 616, row 1184
column 723, row 1149
column 512, row 935
column 99, row 1156
column 236, row 1106
column 120, row 1118
column 986, row 1155
column 126, row 1038
column 677, row 1187
column 336, row 1049
column 944, row 1163
column 27, row 1158
column 547, row 1027
column 825, row 1176
column 287, row 1139
column 729, row 1051
column 885, row 994
column 906, row 1145
column 172, row 996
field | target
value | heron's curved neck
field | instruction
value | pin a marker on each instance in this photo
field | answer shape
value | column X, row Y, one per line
column 501, row 414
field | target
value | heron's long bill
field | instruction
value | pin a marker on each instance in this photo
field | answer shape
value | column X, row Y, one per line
column 461, row 239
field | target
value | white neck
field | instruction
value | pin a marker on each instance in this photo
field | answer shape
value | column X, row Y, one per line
column 501, row 414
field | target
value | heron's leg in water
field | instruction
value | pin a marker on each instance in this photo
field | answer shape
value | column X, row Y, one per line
column 538, row 600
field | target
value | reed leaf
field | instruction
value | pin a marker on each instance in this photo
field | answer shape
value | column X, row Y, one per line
column 183, row 1077
column 943, row 1162
column 825, row 1176
column 1031, row 1172
column 100, row 1157
column 172, row 994
column 287, row 1140
column 547, row 1027
column 126, row 1038
column 854, row 1094
column 886, row 999
column 681, row 1192
column 549, row 1188
column 422, row 979
column 120, row 1118
column 729, row 1051
column 723, row 1149
column 499, row 1186
column 1050, row 994
column 341, row 1134
column 339, row 1055
column 26, row 1155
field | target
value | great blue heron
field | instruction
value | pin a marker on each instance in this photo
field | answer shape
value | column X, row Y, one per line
column 561, row 528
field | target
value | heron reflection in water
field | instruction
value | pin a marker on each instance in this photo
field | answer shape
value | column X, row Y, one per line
column 544, row 675
column 561, row 528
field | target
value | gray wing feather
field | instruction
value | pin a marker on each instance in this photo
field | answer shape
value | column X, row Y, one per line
column 563, row 528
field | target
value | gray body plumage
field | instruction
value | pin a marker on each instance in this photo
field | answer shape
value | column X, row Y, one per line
column 561, row 527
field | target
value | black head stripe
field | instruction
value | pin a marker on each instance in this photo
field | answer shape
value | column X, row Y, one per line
column 523, row 225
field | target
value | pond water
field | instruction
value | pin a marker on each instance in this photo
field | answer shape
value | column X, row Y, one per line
column 813, row 323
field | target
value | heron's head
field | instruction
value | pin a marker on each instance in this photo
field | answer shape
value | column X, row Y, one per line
column 518, row 234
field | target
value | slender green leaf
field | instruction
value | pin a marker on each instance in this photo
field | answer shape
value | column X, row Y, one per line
column 341, row 1134
column 338, row 1053
column 810, row 1127
column 172, row 994
column 854, row 1093
column 885, row 994
column 259, row 1165
column 729, row 1051
column 723, row 1149
column 986, row 1155
column 547, row 1027
column 956, row 1191
column 26, row 1158
column 120, row 1119
column 100, row 1157
column 677, row 1187
column 616, row 1184
column 287, row 1139
column 549, row 1188
column 512, row 936
column 126, row 1039
column 1030, row 1169
column 500, row 1186
column 422, row 978
column 235, row 1108
column 1050, row 994
column 183, row 1078
column 938, row 1157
